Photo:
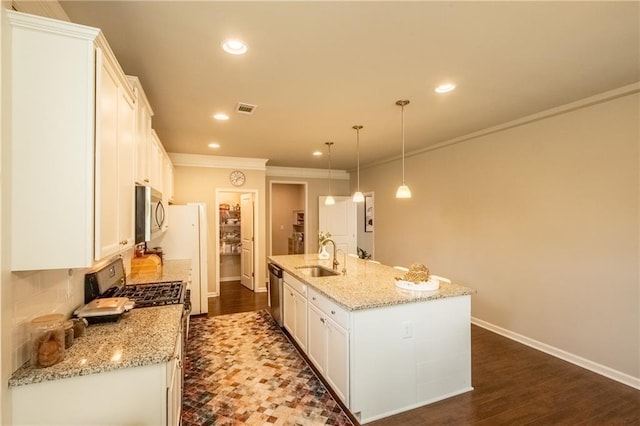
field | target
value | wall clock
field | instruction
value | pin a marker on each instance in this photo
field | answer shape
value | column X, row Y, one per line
column 237, row 178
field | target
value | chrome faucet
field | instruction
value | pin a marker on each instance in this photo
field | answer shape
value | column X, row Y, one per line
column 335, row 260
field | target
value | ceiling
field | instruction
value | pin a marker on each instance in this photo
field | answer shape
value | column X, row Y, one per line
column 315, row 69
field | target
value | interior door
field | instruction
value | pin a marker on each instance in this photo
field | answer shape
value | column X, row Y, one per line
column 340, row 220
column 246, row 236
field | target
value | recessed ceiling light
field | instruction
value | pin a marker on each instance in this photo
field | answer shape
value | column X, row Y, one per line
column 221, row 116
column 234, row 46
column 317, row 153
column 444, row 88
column 214, row 145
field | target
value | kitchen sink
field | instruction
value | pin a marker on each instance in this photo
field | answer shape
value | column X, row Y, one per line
column 318, row 271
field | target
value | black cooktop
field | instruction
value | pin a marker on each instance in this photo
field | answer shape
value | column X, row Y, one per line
column 151, row 294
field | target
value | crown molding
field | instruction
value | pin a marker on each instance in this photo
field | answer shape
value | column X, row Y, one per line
column 46, row 8
column 609, row 95
column 297, row 172
column 215, row 161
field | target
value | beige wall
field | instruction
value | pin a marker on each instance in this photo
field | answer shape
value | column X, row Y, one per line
column 199, row 184
column 541, row 219
column 285, row 198
column 315, row 188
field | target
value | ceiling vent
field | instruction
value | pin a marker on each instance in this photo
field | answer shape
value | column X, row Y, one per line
column 243, row 108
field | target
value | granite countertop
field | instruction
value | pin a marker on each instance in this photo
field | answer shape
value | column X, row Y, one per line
column 172, row 270
column 141, row 337
column 366, row 285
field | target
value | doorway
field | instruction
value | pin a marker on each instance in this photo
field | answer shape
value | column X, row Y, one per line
column 236, row 227
column 288, row 219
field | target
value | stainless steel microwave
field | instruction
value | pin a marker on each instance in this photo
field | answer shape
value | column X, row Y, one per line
column 150, row 213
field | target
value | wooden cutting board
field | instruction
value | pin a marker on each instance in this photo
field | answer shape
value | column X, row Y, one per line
column 147, row 266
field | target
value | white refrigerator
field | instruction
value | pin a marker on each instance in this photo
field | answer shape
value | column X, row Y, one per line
column 186, row 238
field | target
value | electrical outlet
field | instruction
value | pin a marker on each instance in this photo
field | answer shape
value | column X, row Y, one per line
column 406, row 329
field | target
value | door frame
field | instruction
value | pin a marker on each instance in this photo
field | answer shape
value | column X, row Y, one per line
column 256, row 229
column 306, row 211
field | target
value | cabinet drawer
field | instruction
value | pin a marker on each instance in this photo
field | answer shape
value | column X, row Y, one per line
column 331, row 309
column 296, row 284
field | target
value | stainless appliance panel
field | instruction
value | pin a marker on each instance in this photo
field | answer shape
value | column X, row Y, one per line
column 275, row 293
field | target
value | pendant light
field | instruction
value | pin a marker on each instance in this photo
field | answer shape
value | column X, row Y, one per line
column 329, row 201
column 358, row 197
column 403, row 190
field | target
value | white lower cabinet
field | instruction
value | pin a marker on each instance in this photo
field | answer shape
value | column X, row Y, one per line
column 328, row 346
column 149, row 395
column 295, row 310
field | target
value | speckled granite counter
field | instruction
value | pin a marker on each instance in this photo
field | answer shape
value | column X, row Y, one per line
column 172, row 270
column 367, row 285
column 141, row 337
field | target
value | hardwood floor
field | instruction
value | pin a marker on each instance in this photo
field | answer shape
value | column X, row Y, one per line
column 234, row 297
column 513, row 384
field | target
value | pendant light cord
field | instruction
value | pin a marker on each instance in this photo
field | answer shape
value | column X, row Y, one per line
column 358, row 127
column 403, row 144
column 329, row 145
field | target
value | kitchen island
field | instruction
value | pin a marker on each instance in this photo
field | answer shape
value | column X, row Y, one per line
column 382, row 349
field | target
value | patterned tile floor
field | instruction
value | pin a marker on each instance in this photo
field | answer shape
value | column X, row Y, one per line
column 240, row 369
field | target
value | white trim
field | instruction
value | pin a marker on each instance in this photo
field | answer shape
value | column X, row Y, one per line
column 603, row 370
column 411, row 406
column 213, row 294
column 297, row 172
column 256, row 233
column 629, row 89
column 44, row 24
column 47, row 9
column 227, row 279
column 215, row 161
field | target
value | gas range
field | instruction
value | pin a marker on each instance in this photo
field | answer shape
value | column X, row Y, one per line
column 110, row 281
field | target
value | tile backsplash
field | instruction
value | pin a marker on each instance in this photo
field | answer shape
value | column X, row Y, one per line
column 38, row 293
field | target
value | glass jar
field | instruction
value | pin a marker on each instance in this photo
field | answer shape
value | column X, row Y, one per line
column 47, row 340
column 79, row 327
column 68, row 334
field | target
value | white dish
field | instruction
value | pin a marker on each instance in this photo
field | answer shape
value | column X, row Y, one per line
column 104, row 307
column 430, row 285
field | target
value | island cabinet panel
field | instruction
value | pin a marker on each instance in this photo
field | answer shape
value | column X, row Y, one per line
column 295, row 309
column 408, row 355
column 328, row 345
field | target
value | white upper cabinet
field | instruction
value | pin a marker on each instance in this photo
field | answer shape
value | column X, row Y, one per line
column 156, row 156
column 143, row 133
column 115, row 128
column 59, row 110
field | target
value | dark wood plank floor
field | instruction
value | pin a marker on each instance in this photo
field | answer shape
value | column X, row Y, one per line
column 513, row 384
column 234, row 297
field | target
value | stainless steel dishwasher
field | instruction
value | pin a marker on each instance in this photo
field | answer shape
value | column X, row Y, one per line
column 275, row 292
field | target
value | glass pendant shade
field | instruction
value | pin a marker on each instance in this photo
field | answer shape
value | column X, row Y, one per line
column 329, row 201
column 403, row 190
column 358, row 197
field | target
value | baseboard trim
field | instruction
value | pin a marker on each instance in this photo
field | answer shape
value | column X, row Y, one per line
column 225, row 279
column 605, row 371
column 213, row 294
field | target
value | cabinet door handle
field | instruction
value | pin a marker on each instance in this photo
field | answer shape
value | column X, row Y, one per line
column 333, row 312
column 146, row 180
column 313, row 298
column 322, row 320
